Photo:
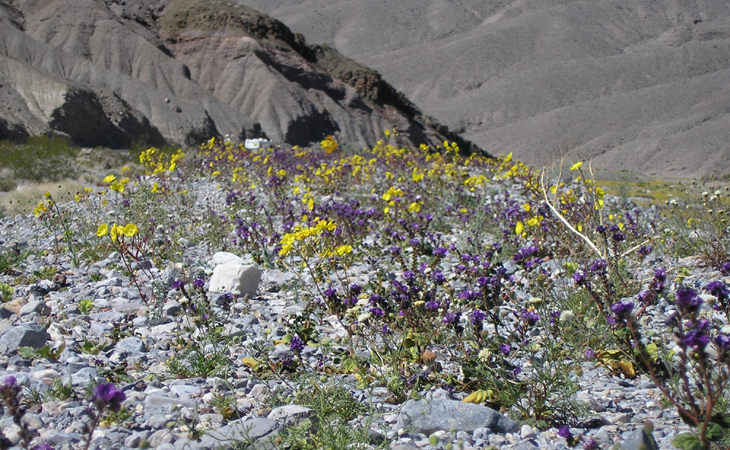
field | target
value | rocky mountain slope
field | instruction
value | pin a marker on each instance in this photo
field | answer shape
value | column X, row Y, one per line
column 115, row 72
column 639, row 85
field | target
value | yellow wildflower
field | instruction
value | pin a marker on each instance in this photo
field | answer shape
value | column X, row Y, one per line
column 39, row 209
column 110, row 179
column 103, row 230
column 576, row 166
column 130, row 230
column 343, row 250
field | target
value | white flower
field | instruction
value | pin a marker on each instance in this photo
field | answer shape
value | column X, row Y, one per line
column 566, row 315
column 484, row 355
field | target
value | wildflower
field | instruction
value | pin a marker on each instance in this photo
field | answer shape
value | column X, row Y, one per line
column 296, row 345
column 477, row 317
column 530, row 316
column 42, row 447
column 432, row 305
column 718, row 289
column 598, row 266
column 696, row 340
column 484, row 355
column 199, row 283
column 130, row 230
column 644, row 251
column 722, row 341
column 505, row 348
column 377, row 311
column 590, row 444
column 570, row 440
column 725, row 268
column 451, row 318
column 40, row 209
column 688, row 301
column 177, row 284
column 621, row 311
column 438, row 277
column 579, row 277
column 343, row 250
column 589, row 353
column 103, row 230
column 110, row 179
column 106, row 395
column 576, row 166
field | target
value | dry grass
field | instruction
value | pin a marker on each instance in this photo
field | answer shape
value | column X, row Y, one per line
column 25, row 198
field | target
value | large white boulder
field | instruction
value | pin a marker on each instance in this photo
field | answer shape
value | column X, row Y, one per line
column 237, row 279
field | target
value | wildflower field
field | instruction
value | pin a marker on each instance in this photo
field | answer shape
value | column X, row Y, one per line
column 408, row 271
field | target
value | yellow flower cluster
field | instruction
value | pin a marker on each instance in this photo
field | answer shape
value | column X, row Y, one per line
column 115, row 231
column 115, row 185
column 157, row 162
column 302, row 233
column 329, row 144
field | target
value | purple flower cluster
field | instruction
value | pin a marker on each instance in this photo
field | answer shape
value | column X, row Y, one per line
column 621, row 312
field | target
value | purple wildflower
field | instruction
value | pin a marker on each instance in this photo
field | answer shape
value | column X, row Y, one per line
column 451, row 318
column 688, row 301
column 718, row 289
column 564, row 432
column 530, row 317
column 432, row 305
column 377, row 312
column 177, row 284
column 725, row 268
column 42, row 447
column 505, row 348
column 579, row 277
column 722, row 341
column 107, row 395
column 598, row 266
column 477, row 317
column 697, row 340
column 296, row 345
column 199, row 283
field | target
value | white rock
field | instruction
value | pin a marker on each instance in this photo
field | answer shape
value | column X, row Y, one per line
column 226, row 258
column 236, row 279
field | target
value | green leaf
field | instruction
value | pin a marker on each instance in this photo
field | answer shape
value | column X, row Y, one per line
column 715, row 432
column 28, row 352
column 687, row 441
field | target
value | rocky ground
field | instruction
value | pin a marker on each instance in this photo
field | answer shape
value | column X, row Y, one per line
column 114, row 337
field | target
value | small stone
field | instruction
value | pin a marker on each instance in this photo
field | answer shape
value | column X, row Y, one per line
column 131, row 345
column 35, row 306
column 641, row 439
column 290, row 414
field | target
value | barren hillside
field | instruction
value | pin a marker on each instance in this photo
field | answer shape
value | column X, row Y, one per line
column 639, row 85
